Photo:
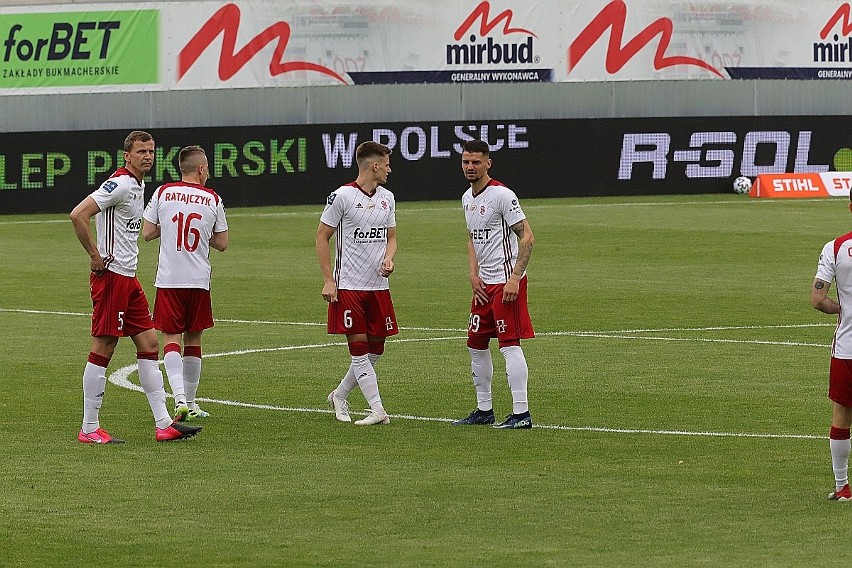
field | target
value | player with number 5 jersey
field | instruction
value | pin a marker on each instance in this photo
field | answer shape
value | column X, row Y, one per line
column 362, row 215
column 119, row 305
column 189, row 219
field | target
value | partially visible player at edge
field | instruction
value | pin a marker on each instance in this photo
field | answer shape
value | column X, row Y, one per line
column 499, row 246
column 835, row 264
column 188, row 218
column 119, row 305
column 363, row 216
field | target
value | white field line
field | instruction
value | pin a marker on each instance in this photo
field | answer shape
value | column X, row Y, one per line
column 121, row 376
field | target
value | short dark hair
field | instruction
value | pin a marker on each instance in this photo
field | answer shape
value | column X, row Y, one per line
column 188, row 158
column 477, row 147
column 370, row 149
column 136, row 136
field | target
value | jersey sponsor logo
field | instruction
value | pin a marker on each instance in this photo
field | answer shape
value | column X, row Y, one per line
column 371, row 234
column 134, row 225
column 480, row 234
column 109, row 186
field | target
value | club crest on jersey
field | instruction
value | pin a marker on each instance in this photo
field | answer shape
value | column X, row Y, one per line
column 384, row 205
column 482, row 210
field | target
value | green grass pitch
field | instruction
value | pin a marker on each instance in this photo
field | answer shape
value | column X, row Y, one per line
column 677, row 381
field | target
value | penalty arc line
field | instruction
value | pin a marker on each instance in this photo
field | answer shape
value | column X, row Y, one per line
column 121, row 378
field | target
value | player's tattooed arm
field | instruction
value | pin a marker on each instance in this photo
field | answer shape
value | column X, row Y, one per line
column 820, row 300
column 525, row 246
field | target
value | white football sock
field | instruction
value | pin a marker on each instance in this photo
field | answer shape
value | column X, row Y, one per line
column 840, row 461
column 367, row 380
column 191, row 378
column 482, row 372
column 349, row 382
column 94, row 384
column 151, row 380
column 517, row 375
column 173, row 363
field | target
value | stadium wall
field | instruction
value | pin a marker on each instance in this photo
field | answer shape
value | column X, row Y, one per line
column 640, row 133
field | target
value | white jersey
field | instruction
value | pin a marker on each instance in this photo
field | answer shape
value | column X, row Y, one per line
column 490, row 216
column 188, row 214
column 835, row 264
column 361, row 224
column 121, row 200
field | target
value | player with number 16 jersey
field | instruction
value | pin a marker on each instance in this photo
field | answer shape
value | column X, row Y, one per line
column 188, row 214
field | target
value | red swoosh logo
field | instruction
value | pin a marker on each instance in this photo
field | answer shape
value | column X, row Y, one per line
column 613, row 16
column 227, row 21
column 842, row 13
column 481, row 13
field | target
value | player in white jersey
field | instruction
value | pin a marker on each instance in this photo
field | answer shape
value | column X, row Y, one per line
column 119, row 305
column 362, row 214
column 835, row 264
column 188, row 218
column 500, row 243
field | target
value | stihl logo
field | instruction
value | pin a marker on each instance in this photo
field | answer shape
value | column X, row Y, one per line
column 227, row 21
column 841, row 49
column 614, row 16
column 490, row 51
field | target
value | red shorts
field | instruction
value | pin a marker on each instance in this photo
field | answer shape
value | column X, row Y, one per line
column 840, row 381
column 507, row 321
column 178, row 310
column 119, row 306
column 362, row 311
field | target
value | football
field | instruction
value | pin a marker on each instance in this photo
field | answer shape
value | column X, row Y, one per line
column 742, row 184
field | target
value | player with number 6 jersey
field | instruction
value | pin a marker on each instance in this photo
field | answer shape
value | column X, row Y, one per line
column 362, row 216
column 188, row 218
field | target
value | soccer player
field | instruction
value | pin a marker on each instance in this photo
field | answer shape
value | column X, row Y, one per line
column 362, row 214
column 835, row 263
column 119, row 305
column 188, row 218
column 499, row 245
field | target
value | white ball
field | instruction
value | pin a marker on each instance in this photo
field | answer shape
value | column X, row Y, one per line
column 742, row 184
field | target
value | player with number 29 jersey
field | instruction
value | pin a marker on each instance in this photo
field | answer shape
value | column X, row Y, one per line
column 489, row 215
column 188, row 215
